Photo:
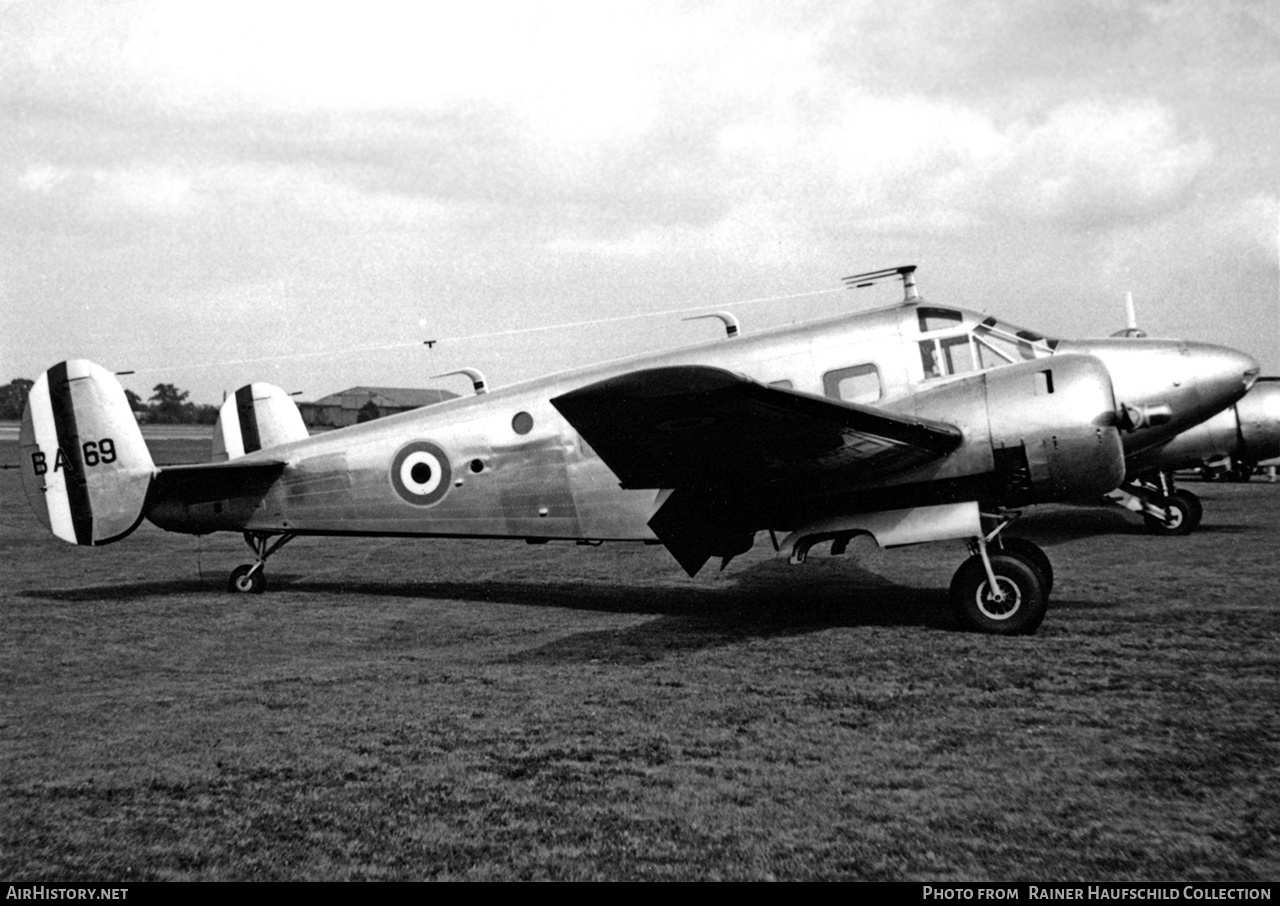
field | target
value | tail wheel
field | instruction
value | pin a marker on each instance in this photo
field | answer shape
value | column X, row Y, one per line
column 245, row 580
column 1019, row 609
column 1030, row 552
column 1183, row 512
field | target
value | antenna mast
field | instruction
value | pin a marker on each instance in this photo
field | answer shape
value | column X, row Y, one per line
column 906, row 272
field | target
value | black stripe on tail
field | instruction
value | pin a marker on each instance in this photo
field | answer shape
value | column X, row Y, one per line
column 68, row 456
column 248, row 419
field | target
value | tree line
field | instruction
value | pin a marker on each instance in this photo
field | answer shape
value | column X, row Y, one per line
column 167, row 406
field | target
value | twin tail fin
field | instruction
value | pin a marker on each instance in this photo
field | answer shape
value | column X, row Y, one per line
column 85, row 467
column 87, row 471
column 256, row 417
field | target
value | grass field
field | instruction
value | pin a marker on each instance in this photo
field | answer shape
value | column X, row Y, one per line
column 415, row 710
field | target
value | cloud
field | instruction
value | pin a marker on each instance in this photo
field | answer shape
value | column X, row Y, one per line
column 600, row 125
column 1093, row 164
column 910, row 165
column 168, row 155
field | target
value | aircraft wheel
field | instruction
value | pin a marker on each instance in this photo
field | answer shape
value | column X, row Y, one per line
column 1025, row 599
column 245, row 582
column 1184, row 514
column 1032, row 554
column 1195, row 511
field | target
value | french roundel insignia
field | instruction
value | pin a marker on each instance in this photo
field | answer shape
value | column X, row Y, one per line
column 420, row 473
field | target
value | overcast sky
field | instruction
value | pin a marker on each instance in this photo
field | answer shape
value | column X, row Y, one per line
column 210, row 194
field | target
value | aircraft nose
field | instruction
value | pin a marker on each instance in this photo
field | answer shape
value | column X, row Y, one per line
column 1180, row 383
column 1221, row 375
column 1259, row 420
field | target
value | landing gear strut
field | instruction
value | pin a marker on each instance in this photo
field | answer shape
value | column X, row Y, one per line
column 251, row 578
column 1003, row 588
column 1166, row 509
column 1032, row 554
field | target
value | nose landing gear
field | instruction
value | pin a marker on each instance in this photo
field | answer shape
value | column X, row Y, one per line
column 1165, row 508
column 1182, row 513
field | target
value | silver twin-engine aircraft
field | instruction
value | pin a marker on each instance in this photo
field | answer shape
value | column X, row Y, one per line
column 914, row 423
column 1247, row 432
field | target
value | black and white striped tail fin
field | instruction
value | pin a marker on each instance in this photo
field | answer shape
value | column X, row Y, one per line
column 85, row 466
column 256, row 417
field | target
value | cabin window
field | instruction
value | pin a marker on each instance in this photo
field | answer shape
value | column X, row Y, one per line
column 858, row 384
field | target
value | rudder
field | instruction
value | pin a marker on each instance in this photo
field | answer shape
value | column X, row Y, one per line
column 256, row 417
column 85, row 466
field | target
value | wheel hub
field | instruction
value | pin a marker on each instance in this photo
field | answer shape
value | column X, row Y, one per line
column 1001, row 604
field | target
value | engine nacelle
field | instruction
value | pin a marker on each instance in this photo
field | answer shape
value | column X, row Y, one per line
column 1048, row 428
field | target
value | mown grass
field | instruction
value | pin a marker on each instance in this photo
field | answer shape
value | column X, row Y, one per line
column 453, row 710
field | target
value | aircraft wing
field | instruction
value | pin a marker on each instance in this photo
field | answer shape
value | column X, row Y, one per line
column 706, row 429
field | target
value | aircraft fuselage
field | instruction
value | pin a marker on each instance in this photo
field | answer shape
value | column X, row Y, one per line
column 507, row 463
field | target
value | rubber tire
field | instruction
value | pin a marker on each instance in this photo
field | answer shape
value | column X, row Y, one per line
column 1030, row 603
column 1187, row 512
column 1195, row 510
column 244, row 583
column 1032, row 554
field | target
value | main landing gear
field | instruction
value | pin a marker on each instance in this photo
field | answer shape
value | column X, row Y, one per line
column 1003, row 588
column 1166, row 509
column 251, row 578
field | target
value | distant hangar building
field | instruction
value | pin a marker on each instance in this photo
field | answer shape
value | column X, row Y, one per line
column 362, row 404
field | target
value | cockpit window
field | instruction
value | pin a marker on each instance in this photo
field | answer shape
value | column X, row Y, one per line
column 991, row 344
column 957, row 355
column 1002, row 344
column 932, row 319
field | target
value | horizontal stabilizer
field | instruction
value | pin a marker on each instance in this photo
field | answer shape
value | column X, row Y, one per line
column 256, row 417
column 85, row 466
column 203, row 482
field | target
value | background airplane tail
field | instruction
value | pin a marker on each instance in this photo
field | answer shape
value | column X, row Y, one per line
column 85, row 466
column 256, row 417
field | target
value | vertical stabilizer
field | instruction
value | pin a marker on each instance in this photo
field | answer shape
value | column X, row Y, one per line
column 85, row 466
column 256, row 417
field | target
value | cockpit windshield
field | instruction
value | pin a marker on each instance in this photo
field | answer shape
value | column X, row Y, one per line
column 990, row 344
column 1003, row 344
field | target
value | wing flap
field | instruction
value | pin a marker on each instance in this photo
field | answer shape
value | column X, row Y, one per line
column 706, row 428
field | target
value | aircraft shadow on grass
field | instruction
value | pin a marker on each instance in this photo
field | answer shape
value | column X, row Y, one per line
column 761, row 601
